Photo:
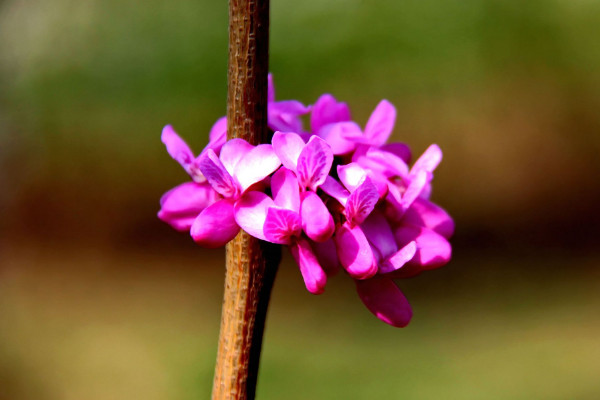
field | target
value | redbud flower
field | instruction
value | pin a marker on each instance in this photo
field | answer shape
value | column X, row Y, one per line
column 182, row 204
column 338, row 196
column 239, row 166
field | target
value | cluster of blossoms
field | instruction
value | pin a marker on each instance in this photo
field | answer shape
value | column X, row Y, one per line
column 337, row 195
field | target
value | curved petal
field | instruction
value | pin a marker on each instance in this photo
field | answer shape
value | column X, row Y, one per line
column 314, row 163
column 281, row 225
column 232, row 152
column 256, row 165
column 177, row 147
column 429, row 215
column 287, row 146
column 217, row 135
column 379, row 234
column 285, row 189
column 314, row 276
column 292, row 107
column 270, row 89
column 216, row 174
column 383, row 298
column 181, row 205
column 351, row 175
column 381, row 123
column 317, row 222
column 335, row 190
column 285, row 115
column 414, row 189
column 429, row 160
column 328, row 110
column 361, row 202
column 251, row 213
column 354, row 252
column 336, row 136
column 399, row 149
column 399, row 259
column 215, row 226
column 393, row 204
column 433, row 250
column 327, row 255
column 382, row 161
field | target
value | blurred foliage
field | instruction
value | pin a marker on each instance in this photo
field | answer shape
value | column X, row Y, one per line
column 510, row 90
column 107, row 325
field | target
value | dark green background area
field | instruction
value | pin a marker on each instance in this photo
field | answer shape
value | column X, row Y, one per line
column 100, row 300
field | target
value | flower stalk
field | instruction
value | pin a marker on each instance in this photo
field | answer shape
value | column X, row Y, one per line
column 251, row 264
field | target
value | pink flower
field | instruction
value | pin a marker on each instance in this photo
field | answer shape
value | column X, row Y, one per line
column 370, row 216
column 358, row 198
column 231, row 174
column 282, row 220
column 181, row 205
column 284, row 115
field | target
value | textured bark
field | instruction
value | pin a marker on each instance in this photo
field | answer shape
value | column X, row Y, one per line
column 251, row 264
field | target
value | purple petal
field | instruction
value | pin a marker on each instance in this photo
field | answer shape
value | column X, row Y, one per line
column 293, row 107
column 216, row 174
column 379, row 234
column 328, row 110
column 327, row 255
column 232, row 152
column 177, row 147
column 381, row 123
column 383, row 298
column 215, row 226
column 381, row 161
column 335, row 135
column 218, row 135
column 361, row 202
column 354, row 252
column 429, row 160
column 394, row 211
column 285, row 189
column 281, row 225
column 335, row 190
column 256, row 165
column 251, row 212
column 182, row 204
column 399, row 259
column 317, row 222
column 414, row 189
column 314, row 276
column 288, row 147
column 314, row 163
column 399, row 149
column 433, row 250
column 285, row 115
column 407, row 271
column 270, row 89
column 351, row 175
column 429, row 215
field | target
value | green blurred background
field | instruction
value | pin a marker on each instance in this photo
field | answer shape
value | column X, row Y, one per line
column 100, row 300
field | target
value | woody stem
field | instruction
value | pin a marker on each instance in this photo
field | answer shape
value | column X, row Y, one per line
column 251, row 264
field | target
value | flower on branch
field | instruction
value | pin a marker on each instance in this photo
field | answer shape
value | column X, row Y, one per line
column 338, row 196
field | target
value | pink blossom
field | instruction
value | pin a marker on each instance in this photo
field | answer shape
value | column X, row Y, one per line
column 280, row 220
column 284, row 115
column 181, row 205
column 231, row 174
column 371, row 216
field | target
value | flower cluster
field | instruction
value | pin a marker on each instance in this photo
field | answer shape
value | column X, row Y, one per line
column 337, row 195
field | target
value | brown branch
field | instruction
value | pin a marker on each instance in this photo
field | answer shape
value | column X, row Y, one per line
column 251, row 264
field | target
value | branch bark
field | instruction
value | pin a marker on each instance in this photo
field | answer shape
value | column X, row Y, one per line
column 251, row 265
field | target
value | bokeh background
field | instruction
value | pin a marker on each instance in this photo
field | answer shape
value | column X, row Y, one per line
column 100, row 300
